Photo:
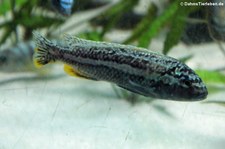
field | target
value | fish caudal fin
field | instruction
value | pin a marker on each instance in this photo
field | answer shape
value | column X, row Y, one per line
column 42, row 54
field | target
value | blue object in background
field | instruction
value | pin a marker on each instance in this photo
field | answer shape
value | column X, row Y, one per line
column 64, row 7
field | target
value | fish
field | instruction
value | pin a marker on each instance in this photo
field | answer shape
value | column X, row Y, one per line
column 64, row 7
column 17, row 58
column 135, row 69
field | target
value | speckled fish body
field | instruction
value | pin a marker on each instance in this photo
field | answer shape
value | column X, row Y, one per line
column 135, row 69
column 17, row 58
column 64, row 7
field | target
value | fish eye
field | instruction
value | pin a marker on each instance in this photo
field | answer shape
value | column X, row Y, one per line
column 188, row 83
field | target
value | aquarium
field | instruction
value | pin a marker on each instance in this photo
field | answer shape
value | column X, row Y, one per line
column 95, row 74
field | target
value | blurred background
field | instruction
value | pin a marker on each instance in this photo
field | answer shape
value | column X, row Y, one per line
column 45, row 108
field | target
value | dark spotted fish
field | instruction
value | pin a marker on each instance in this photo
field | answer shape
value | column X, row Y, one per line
column 135, row 69
column 64, row 7
column 17, row 58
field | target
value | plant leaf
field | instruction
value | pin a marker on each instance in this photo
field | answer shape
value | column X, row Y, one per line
column 143, row 25
column 114, row 13
column 6, row 5
column 157, row 24
column 178, row 25
column 37, row 21
column 211, row 77
column 6, row 33
column 94, row 35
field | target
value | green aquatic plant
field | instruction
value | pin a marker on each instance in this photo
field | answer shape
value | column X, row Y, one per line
column 211, row 77
column 177, row 26
column 91, row 35
column 216, row 84
column 156, row 26
column 22, row 11
column 6, row 5
column 114, row 13
column 174, row 17
column 143, row 25
column 215, row 80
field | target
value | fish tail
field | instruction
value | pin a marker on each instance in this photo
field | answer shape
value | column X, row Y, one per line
column 42, row 54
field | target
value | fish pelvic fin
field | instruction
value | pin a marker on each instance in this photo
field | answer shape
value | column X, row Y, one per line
column 42, row 54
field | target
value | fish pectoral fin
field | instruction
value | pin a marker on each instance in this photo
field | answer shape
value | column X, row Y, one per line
column 73, row 72
column 143, row 90
column 129, row 89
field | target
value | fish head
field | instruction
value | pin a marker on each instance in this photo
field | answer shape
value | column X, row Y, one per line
column 183, row 84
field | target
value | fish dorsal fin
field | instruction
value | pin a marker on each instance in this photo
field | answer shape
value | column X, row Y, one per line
column 74, row 41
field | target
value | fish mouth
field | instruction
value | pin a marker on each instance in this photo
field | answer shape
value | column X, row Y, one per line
column 201, row 95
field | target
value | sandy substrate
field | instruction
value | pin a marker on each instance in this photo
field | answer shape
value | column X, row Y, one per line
column 71, row 113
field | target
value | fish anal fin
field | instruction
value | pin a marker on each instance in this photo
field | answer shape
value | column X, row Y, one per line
column 73, row 72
